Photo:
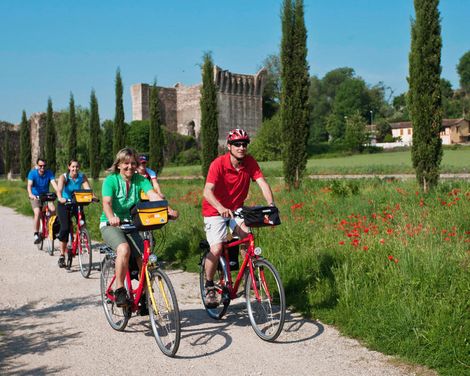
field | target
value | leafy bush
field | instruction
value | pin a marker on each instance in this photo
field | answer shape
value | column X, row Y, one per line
column 266, row 145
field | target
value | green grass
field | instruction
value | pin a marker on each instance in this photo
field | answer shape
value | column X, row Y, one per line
column 379, row 260
column 454, row 161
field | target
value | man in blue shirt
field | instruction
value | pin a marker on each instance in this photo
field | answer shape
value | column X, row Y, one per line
column 38, row 183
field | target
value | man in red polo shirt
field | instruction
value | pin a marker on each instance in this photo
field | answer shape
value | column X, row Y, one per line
column 227, row 185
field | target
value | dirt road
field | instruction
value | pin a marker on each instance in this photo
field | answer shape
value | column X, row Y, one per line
column 52, row 322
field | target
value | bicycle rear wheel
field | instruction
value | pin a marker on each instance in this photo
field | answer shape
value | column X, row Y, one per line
column 266, row 313
column 164, row 313
column 221, row 289
column 117, row 317
column 84, row 253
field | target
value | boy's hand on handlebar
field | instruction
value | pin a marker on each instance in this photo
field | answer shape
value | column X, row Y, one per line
column 114, row 221
column 62, row 200
column 226, row 213
column 173, row 214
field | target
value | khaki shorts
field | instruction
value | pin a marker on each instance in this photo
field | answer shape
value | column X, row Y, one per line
column 114, row 236
column 216, row 228
column 36, row 203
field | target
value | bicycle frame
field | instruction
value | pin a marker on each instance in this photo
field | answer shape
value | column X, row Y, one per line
column 249, row 256
column 79, row 218
column 144, row 280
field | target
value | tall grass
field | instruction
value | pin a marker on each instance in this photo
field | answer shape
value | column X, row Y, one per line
column 378, row 259
column 454, row 161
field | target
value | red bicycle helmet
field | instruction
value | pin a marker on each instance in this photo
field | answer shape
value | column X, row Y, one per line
column 237, row 134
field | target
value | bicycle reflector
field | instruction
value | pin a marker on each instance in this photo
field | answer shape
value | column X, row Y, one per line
column 258, row 251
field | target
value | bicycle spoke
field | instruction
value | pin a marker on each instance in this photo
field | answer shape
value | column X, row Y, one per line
column 163, row 312
column 265, row 300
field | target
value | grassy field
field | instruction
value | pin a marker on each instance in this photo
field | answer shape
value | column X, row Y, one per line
column 454, row 161
column 378, row 259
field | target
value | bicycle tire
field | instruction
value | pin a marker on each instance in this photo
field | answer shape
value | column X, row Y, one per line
column 49, row 243
column 117, row 317
column 163, row 312
column 84, row 253
column 40, row 233
column 267, row 314
column 223, row 296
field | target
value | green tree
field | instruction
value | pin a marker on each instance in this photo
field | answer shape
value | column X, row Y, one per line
column 156, row 141
column 425, row 92
column 25, row 147
column 209, row 122
column 6, row 151
column 295, row 87
column 335, row 125
column 119, row 135
column 383, row 129
column 266, row 145
column 138, row 135
column 272, row 86
column 95, row 137
column 73, row 130
column 50, row 144
column 463, row 69
column 107, row 155
column 355, row 134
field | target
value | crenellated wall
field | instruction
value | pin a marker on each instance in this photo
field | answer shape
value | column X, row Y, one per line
column 239, row 99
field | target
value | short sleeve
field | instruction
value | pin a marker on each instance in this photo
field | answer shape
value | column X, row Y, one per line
column 107, row 189
column 255, row 170
column 214, row 172
column 31, row 175
column 50, row 175
column 152, row 174
column 146, row 186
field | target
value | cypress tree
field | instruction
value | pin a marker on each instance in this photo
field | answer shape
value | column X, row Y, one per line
column 50, row 146
column 156, row 142
column 107, row 156
column 25, row 147
column 72, row 152
column 95, row 137
column 119, row 137
column 209, row 121
column 425, row 92
column 7, row 152
column 294, row 94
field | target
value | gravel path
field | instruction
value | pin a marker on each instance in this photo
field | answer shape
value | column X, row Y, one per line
column 51, row 322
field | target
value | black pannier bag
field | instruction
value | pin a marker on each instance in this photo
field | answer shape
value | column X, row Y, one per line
column 260, row 216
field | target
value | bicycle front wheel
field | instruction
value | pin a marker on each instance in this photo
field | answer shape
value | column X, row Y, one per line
column 163, row 311
column 84, row 253
column 117, row 317
column 41, row 235
column 49, row 245
column 267, row 310
column 220, row 280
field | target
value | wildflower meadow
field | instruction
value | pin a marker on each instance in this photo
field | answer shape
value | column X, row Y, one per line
column 376, row 258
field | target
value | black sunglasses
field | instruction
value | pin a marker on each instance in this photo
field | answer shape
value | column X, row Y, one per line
column 238, row 144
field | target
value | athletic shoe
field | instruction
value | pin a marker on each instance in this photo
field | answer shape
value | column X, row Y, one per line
column 37, row 239
column 61, row 262
column 210, row 299
column 121, row 297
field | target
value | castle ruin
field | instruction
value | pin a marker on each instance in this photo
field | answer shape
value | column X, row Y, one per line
column 239, row 101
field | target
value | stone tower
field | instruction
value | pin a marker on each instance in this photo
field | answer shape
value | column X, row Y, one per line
column 239, row 99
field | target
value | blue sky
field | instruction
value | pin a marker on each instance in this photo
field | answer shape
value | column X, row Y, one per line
column 52, row 48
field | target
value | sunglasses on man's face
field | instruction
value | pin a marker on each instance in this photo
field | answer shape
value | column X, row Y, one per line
column 240, row 144
column 41, row 165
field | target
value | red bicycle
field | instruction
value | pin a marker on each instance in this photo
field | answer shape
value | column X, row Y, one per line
column 154, row 290
column 80, row 243
column 264, row 293
column 47, row 239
